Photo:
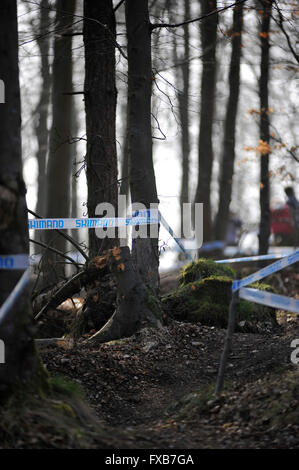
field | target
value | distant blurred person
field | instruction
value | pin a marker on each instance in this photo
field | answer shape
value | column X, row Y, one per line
column 233, row 230
column 293, row 204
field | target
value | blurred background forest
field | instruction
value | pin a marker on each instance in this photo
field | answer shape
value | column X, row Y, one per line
column 207, row 108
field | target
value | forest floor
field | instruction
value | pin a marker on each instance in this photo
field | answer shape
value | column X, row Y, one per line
column 157, row 386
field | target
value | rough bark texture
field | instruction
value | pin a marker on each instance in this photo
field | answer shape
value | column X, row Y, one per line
column 228, row 150
column 264, row 130
column 22, row 364
column 142, row 175
column 74, row 179
column 136, row 305
column 208, row 85
column 60, row 153
column 125, row 164
column 100, row 106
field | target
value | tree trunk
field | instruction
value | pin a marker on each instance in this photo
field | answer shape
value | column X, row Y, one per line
column 60, row 153
column 42, row 112
column 228, row 149
column 264, row 130
column 100, row 107
column 183, row 99
column 208, row 89
column 142, row 175
column 136, row 307
column 74, row 179
column 22, row 366
column 125, row 164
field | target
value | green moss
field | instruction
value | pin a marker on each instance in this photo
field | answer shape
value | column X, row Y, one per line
column 207, row 301
column 65, row 408
column 59, row 420
column 202, row 269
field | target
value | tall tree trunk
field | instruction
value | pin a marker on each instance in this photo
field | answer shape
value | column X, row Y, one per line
column 228, row 149
column 264, row 130
column 60, row 154
column 22, row 364
column 183, row 99
column 42, row 110
column 142, row 175
column 125, row 164
column 100, row 107
column 207, row 106
column 74, row 179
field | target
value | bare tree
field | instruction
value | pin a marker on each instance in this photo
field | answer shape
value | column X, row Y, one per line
column 228, row 146
column 100, row 106
column 264, row 233
column 42, row 110
column 22, row 367
column 59, row 165
column 207, row 106
column 183, row 80
column 142, row 175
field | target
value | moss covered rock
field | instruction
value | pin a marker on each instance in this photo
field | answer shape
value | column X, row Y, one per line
column 204, row 268
column 207, row 301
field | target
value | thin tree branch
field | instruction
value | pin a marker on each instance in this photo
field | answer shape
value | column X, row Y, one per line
column 67, row 237
column 281, row 26
column 54, row 250
column 118, row 5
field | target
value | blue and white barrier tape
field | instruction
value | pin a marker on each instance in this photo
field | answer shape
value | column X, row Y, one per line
column 105, row 222
column 210, row 246
column 272, row 268
column 171, row 232
column 271, row 300
column 13, row 296
column 8, row 262
column 250, row 258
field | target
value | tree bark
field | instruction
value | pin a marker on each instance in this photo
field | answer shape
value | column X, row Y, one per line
column 22, row 367
column 100, row 107
column 183, row 99
column 125, row 164
column 142, row 175
column 136, row 307
column 264, row 130
column 228, row 146
column 208, row 89
column 60, row 152
column 42, row 110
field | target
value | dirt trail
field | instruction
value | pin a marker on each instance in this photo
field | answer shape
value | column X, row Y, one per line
column 137, row 383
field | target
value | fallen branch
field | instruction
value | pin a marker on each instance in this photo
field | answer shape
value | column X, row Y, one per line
column 55, row 296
